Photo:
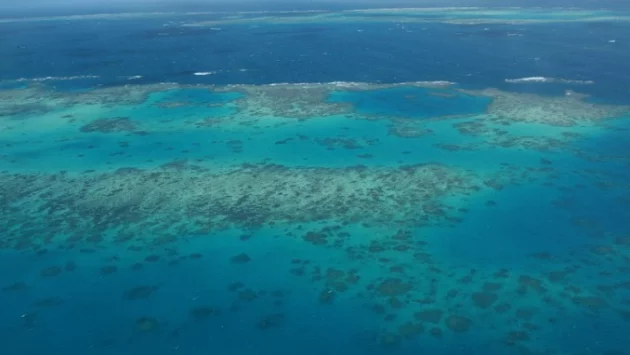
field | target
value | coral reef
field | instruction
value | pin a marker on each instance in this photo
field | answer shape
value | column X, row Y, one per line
column 290, row 101
column 109, row 125
column 146, row 324
column 17, row 286
column 404, row 129
column 393, row 287
column 49, row 302
column 271, row 321
column 50, row 271
column 564, row 111
column 430, row 316
column 458, row 324
column 140, row 292
column 203, row 312
column 84, row 207
column 484, row 299
column 376, row 226
column 240, row 259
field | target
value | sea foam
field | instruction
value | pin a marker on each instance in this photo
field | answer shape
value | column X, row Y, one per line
column 57, row 78
column 544, row 79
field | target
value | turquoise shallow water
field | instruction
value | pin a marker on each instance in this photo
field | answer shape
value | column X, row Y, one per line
column 313, row 219
column 527, row 260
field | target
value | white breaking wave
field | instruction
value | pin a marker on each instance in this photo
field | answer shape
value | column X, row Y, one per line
column 345, row 84
column 355, row 84
column 333, row 83
column 57, row 78
column 352, row 83
column 204, row 73
column 339, row 84
column 436, row 82
column 408, row 9
column 544, row 79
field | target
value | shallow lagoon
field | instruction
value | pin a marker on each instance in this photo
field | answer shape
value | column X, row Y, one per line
column 312, row 218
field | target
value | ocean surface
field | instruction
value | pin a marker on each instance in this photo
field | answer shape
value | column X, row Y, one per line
column 343, row 181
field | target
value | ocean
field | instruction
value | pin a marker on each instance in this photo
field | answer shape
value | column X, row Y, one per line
column 335, row 180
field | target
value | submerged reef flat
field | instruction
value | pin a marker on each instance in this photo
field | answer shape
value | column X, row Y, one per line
column 37, row 98
column 281, row 100
column 310, row 101
column 451, row 15
column 306, row 101
column 148, row 126
column 572, row 109
column 495, row 247
column 455, row 15
column 239, row 210
column 42, row 207
column 290, row 101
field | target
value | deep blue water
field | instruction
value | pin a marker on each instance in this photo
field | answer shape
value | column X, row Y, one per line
column 481, row 56
column 292, row 219
column 413, row 102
